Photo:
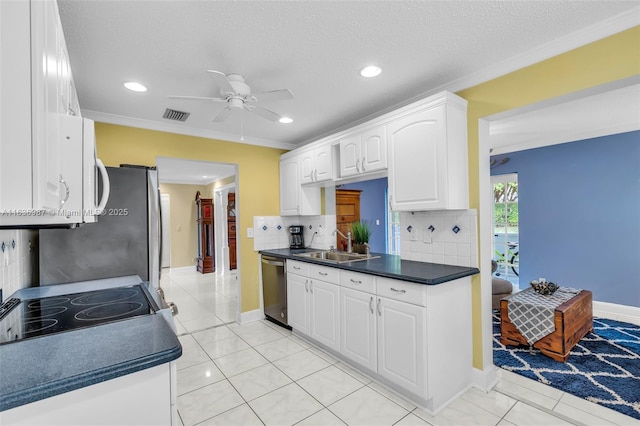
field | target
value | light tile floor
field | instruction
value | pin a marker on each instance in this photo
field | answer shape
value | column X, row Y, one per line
column 261, row 374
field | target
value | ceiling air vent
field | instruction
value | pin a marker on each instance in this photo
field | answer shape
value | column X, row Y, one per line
column 172, row 114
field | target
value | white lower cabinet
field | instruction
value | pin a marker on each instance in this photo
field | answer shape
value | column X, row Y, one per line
column 414, row 338
column 402, row 344
column 325, row 313
column 142, row 398
column 298, row 303
column 359, row 340
column 314, row 309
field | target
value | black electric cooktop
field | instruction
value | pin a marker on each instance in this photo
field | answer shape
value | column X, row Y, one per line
column 25, row 319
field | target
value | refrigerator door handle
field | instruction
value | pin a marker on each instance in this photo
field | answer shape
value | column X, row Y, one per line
column 160, row 248
column 106, row 186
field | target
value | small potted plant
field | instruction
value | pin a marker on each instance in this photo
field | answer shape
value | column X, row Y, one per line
column 360, row 233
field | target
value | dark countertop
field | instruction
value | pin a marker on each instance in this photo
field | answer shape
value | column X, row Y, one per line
column 390, row 266
column 42, row 367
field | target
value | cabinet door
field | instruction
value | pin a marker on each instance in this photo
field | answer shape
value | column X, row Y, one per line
column 323, row 163
column 298, row 303
column 307, row 167
column 350, row 156
column 358, row 340
column 418, row 161
column 374, row 150
column 325, row 313
column 402, row 344
column 289, row 187
column 49, row 191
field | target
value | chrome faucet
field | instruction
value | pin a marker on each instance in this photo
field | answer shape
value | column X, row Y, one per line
column 348, row 237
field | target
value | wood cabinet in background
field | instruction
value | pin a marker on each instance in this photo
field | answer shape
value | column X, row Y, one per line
column 347, row 212
column 204, row 218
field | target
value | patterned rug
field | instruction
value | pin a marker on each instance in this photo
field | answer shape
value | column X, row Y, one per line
column 604, row 367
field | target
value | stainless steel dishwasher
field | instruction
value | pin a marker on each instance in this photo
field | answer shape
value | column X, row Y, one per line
column 274, row 289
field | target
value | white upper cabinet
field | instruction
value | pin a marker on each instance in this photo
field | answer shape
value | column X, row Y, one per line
column 363, row 152
column 296, row 200
column 428, row 167
column 316, row 165
column 42, row 142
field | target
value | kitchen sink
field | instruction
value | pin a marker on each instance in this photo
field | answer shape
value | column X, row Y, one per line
column 336, row 256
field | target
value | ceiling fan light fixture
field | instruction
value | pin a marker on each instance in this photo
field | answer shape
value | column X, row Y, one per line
column 285, row 120
column 135, row 87
column 370, row 71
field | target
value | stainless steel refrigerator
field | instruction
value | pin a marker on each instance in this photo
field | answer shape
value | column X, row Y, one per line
column 126, row 239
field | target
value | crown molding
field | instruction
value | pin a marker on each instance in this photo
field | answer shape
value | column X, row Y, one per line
column 182, row 130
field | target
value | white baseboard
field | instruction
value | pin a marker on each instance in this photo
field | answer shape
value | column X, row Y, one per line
column 250, row 316
column 624, row 313
column 485, row 380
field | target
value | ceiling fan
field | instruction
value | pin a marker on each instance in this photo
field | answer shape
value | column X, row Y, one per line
column 237, row 94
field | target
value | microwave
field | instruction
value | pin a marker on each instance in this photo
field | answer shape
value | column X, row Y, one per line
column 54, row 181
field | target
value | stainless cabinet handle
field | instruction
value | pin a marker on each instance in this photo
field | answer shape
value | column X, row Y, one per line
column 379, row 309
column 324, row 274
column 66, row 195
column 364, row 169
column 306, row 286
column 358, row 165
column 173, row 308
column 311, row 286
column 371, row 304
column 355, row 281
column 398, row 291
column 297, row 268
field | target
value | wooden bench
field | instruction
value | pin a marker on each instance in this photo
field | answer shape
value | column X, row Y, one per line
column 573, row 320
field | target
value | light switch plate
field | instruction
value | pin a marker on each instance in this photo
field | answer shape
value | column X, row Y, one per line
column 249, row 232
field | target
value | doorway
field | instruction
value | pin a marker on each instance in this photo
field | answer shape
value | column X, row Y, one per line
column 505, row 227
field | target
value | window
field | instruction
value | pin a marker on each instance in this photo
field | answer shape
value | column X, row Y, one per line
column 505, row 226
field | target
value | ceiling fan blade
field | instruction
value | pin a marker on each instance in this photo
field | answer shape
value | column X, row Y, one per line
column 265, row 113
column 222, row 115
column 222, row 81
column 198, row 98
column 274, row 95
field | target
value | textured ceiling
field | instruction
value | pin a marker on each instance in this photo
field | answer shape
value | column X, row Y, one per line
column 313, row 48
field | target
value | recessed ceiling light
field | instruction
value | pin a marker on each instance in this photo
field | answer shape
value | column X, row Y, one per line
column 370, row 71
column 136, row 87
column 286, row 120
column 205, row 176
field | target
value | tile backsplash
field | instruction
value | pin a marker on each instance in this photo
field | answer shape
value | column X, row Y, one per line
column 272, row 232
column 448, row 237
column 18, row 260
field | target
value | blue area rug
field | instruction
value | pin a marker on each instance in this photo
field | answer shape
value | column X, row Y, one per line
column 604, row 367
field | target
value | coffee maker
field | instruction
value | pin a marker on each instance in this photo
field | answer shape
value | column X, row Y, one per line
column 296, row 240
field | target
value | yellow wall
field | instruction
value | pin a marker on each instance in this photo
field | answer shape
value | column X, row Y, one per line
column 257, row 180
column 606, row 60
column 182, row 222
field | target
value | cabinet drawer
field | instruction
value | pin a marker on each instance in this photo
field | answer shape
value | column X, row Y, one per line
column 300, row 268
column 358, row 281
column 324, row 273
column 402, row 291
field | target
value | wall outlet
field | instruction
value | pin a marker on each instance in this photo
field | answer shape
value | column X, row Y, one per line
column 414, row 235
column 427, row 236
